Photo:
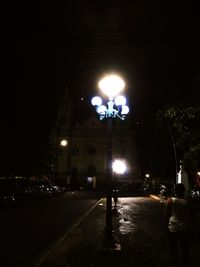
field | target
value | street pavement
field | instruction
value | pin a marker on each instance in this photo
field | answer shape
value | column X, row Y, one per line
column 138, row 224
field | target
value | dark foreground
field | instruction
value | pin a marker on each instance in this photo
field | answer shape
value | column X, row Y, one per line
column 138, row 224
column 28, row 228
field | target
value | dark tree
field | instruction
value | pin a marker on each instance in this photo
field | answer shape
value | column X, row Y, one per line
column 182, row 119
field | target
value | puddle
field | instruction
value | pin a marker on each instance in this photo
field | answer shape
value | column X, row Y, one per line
column 126, row 219
column 128, row 210
column 126, row 223
column 126, row 227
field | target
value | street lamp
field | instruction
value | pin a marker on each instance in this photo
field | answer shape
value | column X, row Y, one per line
column 111, row 85
column 119, row 166
column 115, row 107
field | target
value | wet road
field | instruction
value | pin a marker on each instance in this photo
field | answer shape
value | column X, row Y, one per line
column 29, row 228
column 138, row 224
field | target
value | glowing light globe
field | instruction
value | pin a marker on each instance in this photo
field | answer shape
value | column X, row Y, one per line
column 125, row 110
column 119, row 166
column 111, row 85
column 120, row 100
column 96, row 101
column 63, row 142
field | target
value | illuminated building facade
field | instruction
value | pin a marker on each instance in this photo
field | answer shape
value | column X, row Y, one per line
column 81, row 148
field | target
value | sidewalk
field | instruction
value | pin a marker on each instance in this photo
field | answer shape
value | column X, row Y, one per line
column 138, row 225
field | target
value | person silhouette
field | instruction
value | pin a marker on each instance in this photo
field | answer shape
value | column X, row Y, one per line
column 177, row 226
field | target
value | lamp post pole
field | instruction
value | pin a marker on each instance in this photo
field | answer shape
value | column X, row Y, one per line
column 108, row 238
column 116, row 107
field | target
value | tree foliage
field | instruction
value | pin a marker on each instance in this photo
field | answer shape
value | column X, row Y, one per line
column 183, row 122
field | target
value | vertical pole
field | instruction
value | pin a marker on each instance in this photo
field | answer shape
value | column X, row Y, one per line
column 69, row 161
column 108, row 239
column 175, row 153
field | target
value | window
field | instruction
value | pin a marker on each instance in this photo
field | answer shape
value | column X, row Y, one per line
column 91, row 170
column 91, row 150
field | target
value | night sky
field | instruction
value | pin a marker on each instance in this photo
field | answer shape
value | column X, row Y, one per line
column 154, row 46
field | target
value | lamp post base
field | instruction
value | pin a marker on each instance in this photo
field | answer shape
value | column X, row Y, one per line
column 110, row 242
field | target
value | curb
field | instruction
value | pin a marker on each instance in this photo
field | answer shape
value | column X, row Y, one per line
column 162, row 200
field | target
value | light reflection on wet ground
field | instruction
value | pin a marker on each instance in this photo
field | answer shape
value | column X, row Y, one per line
column 138, row 225
column 128, row 209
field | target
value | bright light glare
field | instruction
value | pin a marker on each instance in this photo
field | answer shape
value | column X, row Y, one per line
column 111, row 85
column 119, row 166
column 179, row 178
column 63, row 142
column 96, row 101
column 101, row 109
column 125, row 110
column 120, row 100
column 147, row 175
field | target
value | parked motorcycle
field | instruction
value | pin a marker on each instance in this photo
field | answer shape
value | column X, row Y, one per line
column 195, row 193
column 163, row 191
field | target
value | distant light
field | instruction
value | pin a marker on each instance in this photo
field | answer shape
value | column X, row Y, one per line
column 120, row 100
column 63, row 142
column 111, row 85
column 82, row 98
column 179, row 178
column 119, row 166
column 89, row 179
column 147, row 175
column 96, row 101
column 198, row 173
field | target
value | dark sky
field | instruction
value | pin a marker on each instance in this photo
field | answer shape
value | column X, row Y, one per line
column 155, row 46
